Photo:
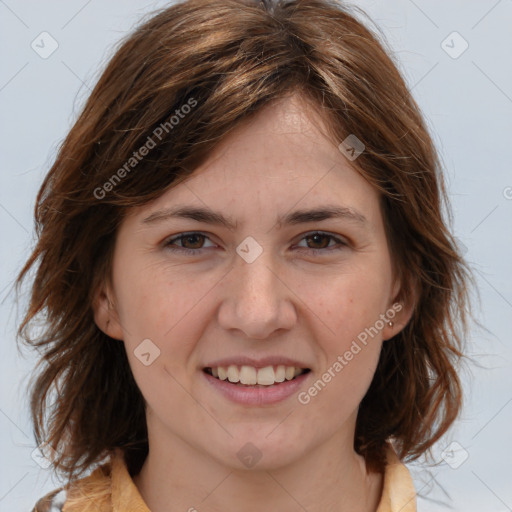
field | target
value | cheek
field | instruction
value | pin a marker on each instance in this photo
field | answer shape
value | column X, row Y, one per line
column 346, row 302
column 166, row 307
column 349, row 330
column 156, row 301
column 349, row 344
column 164, row 311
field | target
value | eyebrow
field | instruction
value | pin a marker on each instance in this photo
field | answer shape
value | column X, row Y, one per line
column 208, row 216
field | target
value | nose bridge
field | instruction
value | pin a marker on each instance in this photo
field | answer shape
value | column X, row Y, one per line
column 256, row 283
column 256, row 300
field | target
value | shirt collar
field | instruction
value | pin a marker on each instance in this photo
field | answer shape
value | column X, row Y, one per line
column 398, row 493
column 125, row 495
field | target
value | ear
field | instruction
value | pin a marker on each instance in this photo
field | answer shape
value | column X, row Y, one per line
column 105, row 314
column 400, row 309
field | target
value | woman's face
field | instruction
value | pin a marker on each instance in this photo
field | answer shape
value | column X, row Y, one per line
column 264, row 289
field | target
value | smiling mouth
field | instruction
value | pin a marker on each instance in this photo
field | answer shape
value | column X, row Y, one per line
column 253, row 378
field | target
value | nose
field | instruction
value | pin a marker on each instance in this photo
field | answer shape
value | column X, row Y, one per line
column 257, row 300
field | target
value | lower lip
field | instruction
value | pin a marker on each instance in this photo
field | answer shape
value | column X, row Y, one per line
column 257, row 396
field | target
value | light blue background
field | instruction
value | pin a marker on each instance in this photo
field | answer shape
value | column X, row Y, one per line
column 468, row 105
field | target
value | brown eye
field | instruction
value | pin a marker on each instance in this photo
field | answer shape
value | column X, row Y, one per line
column 320, row 243
column 190, row 243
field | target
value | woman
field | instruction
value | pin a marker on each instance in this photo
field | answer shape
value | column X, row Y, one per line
column 252, row 298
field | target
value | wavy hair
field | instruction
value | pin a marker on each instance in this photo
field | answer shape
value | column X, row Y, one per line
column 232, row 58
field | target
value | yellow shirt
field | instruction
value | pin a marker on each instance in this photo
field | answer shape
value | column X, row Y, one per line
column 110, row 488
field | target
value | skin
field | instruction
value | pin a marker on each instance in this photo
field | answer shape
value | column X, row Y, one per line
column 288, row 302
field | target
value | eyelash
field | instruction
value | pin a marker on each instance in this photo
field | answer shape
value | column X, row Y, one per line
column 341, row 243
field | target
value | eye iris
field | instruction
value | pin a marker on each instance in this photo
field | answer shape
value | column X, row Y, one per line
column 192, row 237
column 317, row 236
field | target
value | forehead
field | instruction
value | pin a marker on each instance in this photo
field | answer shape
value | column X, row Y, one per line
column 278, row 160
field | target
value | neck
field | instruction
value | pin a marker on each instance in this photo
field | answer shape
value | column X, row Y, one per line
column 177, row 477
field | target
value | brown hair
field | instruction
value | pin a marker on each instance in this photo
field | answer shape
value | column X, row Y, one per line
column 232, row 58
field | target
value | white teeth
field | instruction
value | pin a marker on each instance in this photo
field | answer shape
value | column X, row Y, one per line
column 290, row 372
column 233, row 373
column 251, row 376
column 280, row 373
column 248, row 375
column 266, row 376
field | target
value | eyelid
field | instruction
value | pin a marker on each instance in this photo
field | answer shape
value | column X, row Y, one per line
column 337, row 238
column 342, row 242
column 182, row 235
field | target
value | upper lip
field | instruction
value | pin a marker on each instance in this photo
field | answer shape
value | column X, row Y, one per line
column 256, row 363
